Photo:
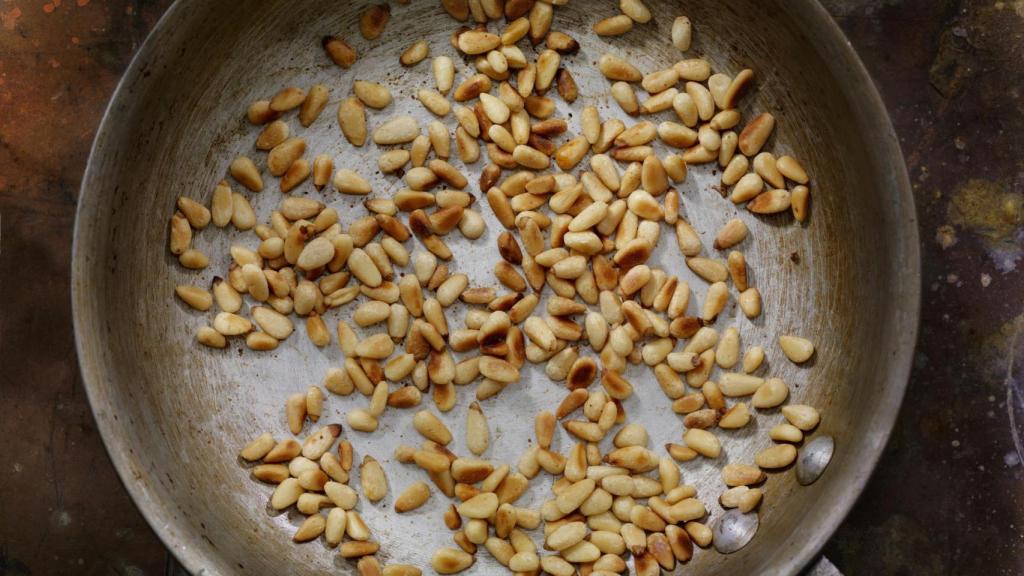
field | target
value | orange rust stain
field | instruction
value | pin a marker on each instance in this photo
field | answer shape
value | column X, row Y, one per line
column 129, row 9
column 10, row 18
column 74, row 40
column 82, row 2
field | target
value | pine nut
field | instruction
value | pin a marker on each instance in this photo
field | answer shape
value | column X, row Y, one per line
column 472, row 87
column 373, row 20
column 734, row 232
column 279, row 160
column 541, row 14
column 736, row 417
column 530, row 157
column 286, row 494
column 427, row 424
column 734, row 384
column 361, row 420
column 770, row 202
column 682, row 33
column 614, row 25
column 283, row 451
column 415, row 53
column 400, row 130
column 352, row 120
column 339, row 51
column 259, row 113
column 741, row 475
column 343, row 497
column 245, row 172
column 804, row 417
column 786, row 433
column 778, row 456
column 715, row 301
column 615, row 68
column 450, row 561
column 708, row 269
column 372, row 94
column 624, row 95
column 731, row 498
column 750, row 302
column 755, row 134
column 334, row 526
column 258, row 447
column 359, row 549
column 434, row 101
column 703, row 442
column 798, row 350
column 457, row 9
column 567, row 87
column 320, row 441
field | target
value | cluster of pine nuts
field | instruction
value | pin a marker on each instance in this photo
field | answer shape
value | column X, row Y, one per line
column 587, row 238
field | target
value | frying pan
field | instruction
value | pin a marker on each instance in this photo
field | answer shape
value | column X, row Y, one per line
column 174, row 414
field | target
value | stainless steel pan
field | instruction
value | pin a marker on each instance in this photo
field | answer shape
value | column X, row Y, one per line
column 174, row 414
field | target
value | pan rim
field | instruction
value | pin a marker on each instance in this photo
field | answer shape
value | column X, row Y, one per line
column 186, row 545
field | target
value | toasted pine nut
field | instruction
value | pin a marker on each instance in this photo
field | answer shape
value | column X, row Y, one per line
column 352, row 120
column 515, row 31
column 715, row 301
column 623, row 93
column 771, row 394
column 373, row 20
column 372, row 94
column 614, row 25
column 736, row 417
column 770, row 202
column 682, row 33
column 413, row 497
column 800, row 198
column 434, row 101
column 477, row 42
column 797, row 349
column 245, row 172
column 755, row 134
column 427, row 424
column 786, row 433
column 399, row 130
column 361, row 420
column 415, row 53
column 272, row 135
column 615, row 68
column 541, row 14
column 703, row 442
column 530, row 157
column 339, row 51
column 802, row 416
column 741, row 475
column 450, row 561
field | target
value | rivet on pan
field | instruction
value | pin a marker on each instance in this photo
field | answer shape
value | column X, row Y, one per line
column 734, row 530
column 813, row 459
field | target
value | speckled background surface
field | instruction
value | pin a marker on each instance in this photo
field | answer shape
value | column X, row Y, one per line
column 947, row 497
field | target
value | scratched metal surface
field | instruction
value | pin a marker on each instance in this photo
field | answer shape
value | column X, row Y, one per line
column 944, row 74
column 172, row 414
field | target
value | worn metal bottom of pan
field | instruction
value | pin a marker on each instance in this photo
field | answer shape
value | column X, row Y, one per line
column 174, row 414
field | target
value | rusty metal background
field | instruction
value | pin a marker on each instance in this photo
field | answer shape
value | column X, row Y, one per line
column 946, row 71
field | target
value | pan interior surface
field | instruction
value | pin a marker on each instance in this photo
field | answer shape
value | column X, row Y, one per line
column 175, row 414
